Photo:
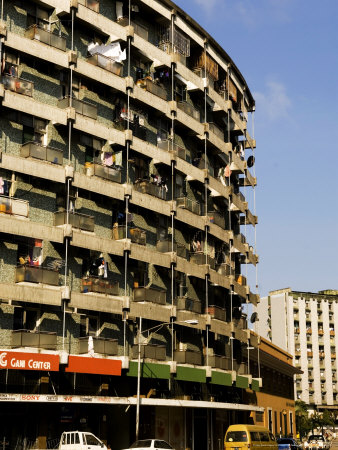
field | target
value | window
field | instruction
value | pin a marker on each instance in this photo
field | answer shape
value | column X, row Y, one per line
column 236, row 436
column 264, row 436
column 179, row 185
column 88, row 326
column 254, row 436
column 162, row 228
column 25, row 319
column 92, row 440
column 35, row 132
column 38, row 16
column 11, row 64
column 141, row 167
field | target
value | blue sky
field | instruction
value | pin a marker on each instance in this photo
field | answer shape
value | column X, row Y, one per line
column 287, row 50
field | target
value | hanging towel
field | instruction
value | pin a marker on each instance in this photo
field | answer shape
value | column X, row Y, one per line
column 108, row 159
column 2, row 191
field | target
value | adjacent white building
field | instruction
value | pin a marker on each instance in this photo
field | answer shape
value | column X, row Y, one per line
column 304, row 324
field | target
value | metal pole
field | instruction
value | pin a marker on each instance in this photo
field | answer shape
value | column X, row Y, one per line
column 138, row 381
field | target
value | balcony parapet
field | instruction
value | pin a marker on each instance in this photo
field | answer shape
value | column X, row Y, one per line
column 18, row 85
column 148, row 294
column 47, row 37
column 36, row 274
column 136, row 235
column 103, row 346
column 100, row 286
column 188, row 304
column 80, row 106
column 14, row 206
column 45, row 153
column 77, row 220
column 106, row 63
column 35, row 339
column 147, row 187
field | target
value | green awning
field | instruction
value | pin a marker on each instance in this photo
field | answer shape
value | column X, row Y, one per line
column 242, row 382
column 190, row 374
column 223, row 379
column 150, row 370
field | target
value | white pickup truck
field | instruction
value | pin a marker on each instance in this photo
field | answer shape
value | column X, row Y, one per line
column 80, row 440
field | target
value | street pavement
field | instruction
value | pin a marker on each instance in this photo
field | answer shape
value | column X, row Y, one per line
column 334, row 444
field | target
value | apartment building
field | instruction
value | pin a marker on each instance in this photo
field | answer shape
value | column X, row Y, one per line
column 124, row 158
column 304, row 324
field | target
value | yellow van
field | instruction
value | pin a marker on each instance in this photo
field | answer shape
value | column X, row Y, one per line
column 244, row 437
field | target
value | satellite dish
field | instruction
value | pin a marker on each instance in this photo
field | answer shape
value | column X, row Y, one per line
column 254, row 317
column 251, row 161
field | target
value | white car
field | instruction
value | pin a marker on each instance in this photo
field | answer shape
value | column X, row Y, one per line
column 80, row 440
column 153, row 444
column 316, row 442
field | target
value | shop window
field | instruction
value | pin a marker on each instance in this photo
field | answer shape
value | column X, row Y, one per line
column 25, row 319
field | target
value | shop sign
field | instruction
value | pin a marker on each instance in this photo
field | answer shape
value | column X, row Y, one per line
column 29, row 361
column 101, row 366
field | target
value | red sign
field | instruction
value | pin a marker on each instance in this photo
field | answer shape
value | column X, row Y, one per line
column 29, row 361
column 101, row 366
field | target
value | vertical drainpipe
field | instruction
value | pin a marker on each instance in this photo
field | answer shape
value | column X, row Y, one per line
column 172, row 186
column 230, row 226
column 206, row 195
column 68, row 187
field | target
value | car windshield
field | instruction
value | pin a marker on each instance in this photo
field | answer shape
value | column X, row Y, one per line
column 92, row 440
column 285, row 441
column 237, row 436
column 162, row 444
column 316, row 437
column 141, row 444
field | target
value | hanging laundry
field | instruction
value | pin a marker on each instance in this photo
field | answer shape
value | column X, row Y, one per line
column 227, row 171
column 2, row 191
column 112, row 51
column 118, row 159
column 108, row 159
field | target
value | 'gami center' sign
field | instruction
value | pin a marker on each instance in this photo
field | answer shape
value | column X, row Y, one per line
column 29, row 361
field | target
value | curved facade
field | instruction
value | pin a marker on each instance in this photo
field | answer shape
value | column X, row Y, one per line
column 124, row 154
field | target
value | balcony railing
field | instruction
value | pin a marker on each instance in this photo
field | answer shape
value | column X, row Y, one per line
column 139, row 29
column 38, row 151
column 217, row 218
column 216, row 130
column 172, row 38
column 216, row 312
column 146, row 187
column 135, row 234
column 14, row 206
column 100, row 286
column 152, row 87
column 18, row 85
column 80, row 106
column 103, row 346
column 188, row 304
column 47, row 37
column 27, row 338
column 190, row 205
column 102, row 171
column 144, row 294
column 165, row 246
column 77, row 220
column 201, row 258
column 206, row 62
column 150, row 351
column 91, row 4
column 224, row 269
column 36, row 274
column 188, row 357
column 106, row 63
column 219, row 362
column 170, row 146
column 189, row 109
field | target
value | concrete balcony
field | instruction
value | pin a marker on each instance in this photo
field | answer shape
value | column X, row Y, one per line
column 106, row 63
column 148, row 294
column 180, row 152
column 241, row 279
column 14, row 206
column 217, row 218
column 45, row 153
column 153, row 88
column 106, row 172
column 40, row 340
column 190, row 205
column 201, row 258
column 146, row 187
column 213, row 128
column 189, row 109
column 108, row 347
column 165, row 246
column 90, row 4
column 216, row 312
column 80, row 106
column 136, row 235
column 188, row 357
column 77, row 220
column 47, row 37
column 150, row 351
column 36, row 274
column 18, row 85
column 100, row 286
column 188, row 304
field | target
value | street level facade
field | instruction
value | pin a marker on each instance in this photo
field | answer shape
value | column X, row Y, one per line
column 304, row 324
column 125, row 154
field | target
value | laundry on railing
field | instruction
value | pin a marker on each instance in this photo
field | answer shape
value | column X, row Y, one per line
column 112, row 51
